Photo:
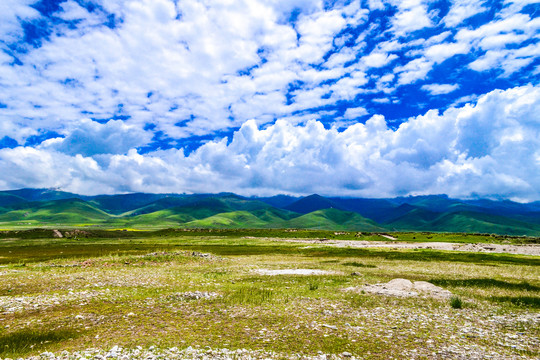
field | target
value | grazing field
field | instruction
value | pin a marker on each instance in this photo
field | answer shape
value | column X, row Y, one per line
column 249, row 294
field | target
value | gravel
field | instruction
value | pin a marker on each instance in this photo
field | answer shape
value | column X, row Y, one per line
column 12, row 304
column 293, row 272
column 153, row 353
column 194, row 295
column 530, row 249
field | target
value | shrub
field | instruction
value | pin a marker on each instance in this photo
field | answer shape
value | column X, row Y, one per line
column 455, row 302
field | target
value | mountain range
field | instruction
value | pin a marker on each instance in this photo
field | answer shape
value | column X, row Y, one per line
column 434, row 213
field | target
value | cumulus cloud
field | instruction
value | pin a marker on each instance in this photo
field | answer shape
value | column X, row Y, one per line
column 475, row 150
column 166, row 63
column 106, row 80
column 89, row 138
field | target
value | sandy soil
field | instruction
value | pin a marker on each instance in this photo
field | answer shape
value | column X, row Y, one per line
column 531, row 249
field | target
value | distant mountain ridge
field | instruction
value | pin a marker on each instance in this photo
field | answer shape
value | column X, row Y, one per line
column 436, row 213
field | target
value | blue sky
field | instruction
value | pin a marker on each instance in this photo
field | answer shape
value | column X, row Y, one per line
column 353, row 98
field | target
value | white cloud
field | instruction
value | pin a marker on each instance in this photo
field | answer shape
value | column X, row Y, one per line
column 412, row 15
column 198, row 68
column 440, row 52
column 166, row 62
column 377, row 59
column 435, row 39
column 439, row 89
column 375, row 5
column 89, row 138
column 509, row 60
column 18, row 132
column 462, row 10
column 354, row 113
column 317, row 34
column 202, row 65
column 514, row 22
column 11, row 13
column 72, row 11
column 339, row 58
column 488, row 61
column 501, row 40
column 413, row 71
column 348, row 87
column 476, row 149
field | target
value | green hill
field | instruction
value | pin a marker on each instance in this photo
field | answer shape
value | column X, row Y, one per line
column 462, row 221
column 68, row 211
column 482, row 223
column 223, row 203
column 273, row 215
column 168, row 217
column 234, row 219
column 415, row 220
column 161, row 204
column 204, row 208
column 28, row 208
column 7, row 200
column 179, row 215
column 119, row 204
column 333, row 219
column 242, row 204
column 42, row 194
column 312, row 203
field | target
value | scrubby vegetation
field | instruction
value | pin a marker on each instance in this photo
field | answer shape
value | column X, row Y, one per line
column 206, row 288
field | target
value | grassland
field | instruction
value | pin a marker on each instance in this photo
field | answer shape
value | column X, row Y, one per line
column 205, row 289
column 31, row 208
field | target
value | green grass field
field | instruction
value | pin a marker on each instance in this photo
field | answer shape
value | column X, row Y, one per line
column 104, row 288
column 229, row 211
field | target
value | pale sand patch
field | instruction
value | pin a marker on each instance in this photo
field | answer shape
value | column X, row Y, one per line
column 293, row 272
column 529, row 249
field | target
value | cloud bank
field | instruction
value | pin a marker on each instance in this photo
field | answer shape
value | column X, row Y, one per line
column 474, row 150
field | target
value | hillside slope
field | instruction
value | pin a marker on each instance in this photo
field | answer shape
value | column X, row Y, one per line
column 67, row 211
column 435, row 213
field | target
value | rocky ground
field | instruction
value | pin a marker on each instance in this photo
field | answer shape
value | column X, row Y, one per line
column 190, row 353
column 404, row 288
column 203, row 304
column 529, row 249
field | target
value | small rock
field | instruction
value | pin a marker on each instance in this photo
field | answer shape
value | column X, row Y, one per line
column 330, row 326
